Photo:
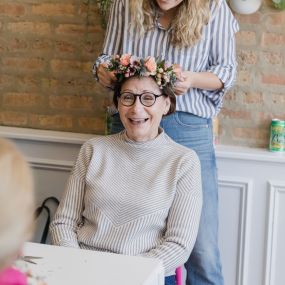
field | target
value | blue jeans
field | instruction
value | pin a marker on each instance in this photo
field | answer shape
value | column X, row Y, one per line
column 203, row 266
column 170, row 280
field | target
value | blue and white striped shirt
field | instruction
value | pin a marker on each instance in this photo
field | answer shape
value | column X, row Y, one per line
column 215, row 52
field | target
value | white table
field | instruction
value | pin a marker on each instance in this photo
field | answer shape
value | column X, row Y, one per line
column 68, row 266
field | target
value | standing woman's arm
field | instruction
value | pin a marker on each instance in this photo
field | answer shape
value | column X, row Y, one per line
column 222, row 58
column 112, row 43
column 221, row 72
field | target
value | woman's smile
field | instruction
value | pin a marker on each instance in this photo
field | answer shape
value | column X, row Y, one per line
column 138, row 121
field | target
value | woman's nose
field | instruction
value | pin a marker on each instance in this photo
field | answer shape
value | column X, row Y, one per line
column 137, row 105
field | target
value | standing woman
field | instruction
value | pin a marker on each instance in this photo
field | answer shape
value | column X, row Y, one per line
column 199, row 37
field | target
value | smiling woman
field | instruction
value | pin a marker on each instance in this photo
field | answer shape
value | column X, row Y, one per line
column 154, row 80
column 136, row 192
column 143, row 94
column 140, row 120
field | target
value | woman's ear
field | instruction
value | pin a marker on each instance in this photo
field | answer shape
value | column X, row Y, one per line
column 167, row 105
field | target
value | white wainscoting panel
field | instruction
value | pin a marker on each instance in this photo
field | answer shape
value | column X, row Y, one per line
column 234, row 216
column 274, row 265
column 51, row 156
column 261, row 265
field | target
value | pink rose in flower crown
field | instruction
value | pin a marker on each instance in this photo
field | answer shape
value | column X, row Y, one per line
column 125, row 59
column 150, row 65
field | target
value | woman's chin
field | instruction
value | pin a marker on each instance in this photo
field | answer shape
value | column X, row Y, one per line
column 140, row 134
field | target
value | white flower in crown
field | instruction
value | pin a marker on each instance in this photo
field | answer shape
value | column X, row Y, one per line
column 134, row 60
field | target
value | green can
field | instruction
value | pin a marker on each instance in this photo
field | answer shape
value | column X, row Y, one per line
column 279, row 4
column 277, row 136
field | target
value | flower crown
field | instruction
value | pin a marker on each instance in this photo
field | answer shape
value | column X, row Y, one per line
column 128, row 65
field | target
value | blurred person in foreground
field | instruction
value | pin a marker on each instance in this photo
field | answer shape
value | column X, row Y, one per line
column 16, row 211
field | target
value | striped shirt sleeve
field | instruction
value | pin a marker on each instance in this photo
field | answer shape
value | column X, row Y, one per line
column 68, row 216
column 183, row 218
column 114, row 34
column 222, row 59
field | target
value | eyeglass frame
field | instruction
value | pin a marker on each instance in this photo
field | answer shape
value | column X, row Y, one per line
column 140, row 98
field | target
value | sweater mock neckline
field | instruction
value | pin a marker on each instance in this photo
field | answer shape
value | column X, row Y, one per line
column 157, row 141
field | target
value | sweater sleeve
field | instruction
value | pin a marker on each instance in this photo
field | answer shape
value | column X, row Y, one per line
column 114, row 35
column 68, row 216
column 183, row 218
column 222, row 58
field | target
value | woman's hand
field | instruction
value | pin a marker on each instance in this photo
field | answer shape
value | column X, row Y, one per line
column 201, row 80
column 183, row 83
column 106, row 78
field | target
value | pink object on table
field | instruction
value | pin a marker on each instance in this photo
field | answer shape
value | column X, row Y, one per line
column 12, row 276
column 178, row 275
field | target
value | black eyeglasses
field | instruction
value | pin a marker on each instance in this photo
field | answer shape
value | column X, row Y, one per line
column 147, row 98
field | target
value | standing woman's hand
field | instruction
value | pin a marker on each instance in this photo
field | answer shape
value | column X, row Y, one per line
column 183, row 83
column 202, row 80
column 106, row 78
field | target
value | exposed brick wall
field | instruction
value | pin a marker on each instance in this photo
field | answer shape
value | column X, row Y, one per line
column 47, row 49
column 259, row 94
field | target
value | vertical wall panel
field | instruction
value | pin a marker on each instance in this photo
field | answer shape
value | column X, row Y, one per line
column 275, row 253
column 234, row 217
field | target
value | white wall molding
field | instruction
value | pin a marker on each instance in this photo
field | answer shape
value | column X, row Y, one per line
column 59, row 165
column 276, row 189
column 249, row 154
column 43, row 135
column 222, row 151
column 245, row 186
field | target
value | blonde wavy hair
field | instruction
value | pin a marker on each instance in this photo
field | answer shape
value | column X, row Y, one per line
column 192, row 16
column 16, row 202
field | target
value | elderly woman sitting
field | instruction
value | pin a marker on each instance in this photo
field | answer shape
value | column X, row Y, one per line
column 136, row 192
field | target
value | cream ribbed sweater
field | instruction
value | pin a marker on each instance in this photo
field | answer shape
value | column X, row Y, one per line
column 132, row 198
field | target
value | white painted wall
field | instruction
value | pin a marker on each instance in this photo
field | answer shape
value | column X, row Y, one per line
column 251, row 190
column 252, row 215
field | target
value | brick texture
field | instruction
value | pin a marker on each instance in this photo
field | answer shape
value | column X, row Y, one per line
column 51, row 9
column 259, row 93
column 12, row 10
column 47, row 49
